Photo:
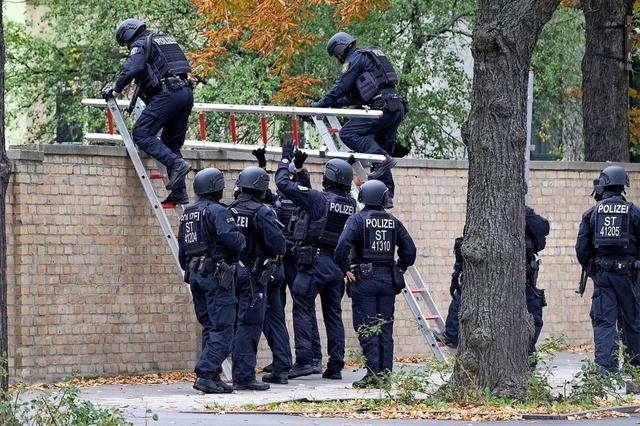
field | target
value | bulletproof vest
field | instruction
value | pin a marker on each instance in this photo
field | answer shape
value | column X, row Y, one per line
column 245, row 213
column 369, row 83
column 287, row 213
column 610, row 222
column 165, row 59
column 195, row 240
column 326, row 231
column 379, row 242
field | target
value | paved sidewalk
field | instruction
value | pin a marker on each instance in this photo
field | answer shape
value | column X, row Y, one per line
column 179, row 401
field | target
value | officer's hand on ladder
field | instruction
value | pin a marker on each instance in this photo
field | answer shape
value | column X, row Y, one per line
column 299, row 157
column 260, row 156
column 287, row 151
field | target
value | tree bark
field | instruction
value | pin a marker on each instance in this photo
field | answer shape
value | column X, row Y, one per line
column 572, row 131
column 5, row 171
column 605, row 83
column 494, row 323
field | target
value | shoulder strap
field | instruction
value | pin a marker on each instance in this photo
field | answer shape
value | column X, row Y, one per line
column 147, row 46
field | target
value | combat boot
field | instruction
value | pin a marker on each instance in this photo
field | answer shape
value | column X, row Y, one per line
column 255, row 386
column 368, row 381
column 333, row 374
column 214, row 385
column 176, row 173
column 379, row 169
column 177, row 196
column 268, row 368
column 316, row 364
column 277, row 378
column 299, row 370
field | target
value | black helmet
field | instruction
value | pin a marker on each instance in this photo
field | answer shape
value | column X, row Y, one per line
column 208, row 181
column 339, row 43
column 614, row 176
column 339, row 171
column 253, row 178
column 373, row 193
column 128, row 30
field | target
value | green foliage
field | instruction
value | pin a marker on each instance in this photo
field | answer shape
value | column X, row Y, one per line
column 591, row 383
column 558, row 77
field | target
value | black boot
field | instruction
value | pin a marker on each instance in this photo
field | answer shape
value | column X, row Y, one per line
column 368, row 381
column 277, row 378
column 380, row 168
column 176, row 172
column 211, row 385
column 316, row 364
column 177, row 196
column 299, row 370
column 332, row 373
column 255, row 386
column 268, row 368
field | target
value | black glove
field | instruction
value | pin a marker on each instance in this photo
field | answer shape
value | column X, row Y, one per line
column 259, row 154
column 287, row 151
column 314, row 104
column 107, row 92
column 454, row 285
column 299, row 158
column 351, row 160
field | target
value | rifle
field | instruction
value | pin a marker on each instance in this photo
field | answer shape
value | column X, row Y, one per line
column 140, row 82
column 583, row 279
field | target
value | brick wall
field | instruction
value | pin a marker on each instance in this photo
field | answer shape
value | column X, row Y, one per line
column 93, row 287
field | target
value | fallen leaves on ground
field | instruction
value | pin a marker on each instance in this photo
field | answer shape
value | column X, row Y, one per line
column 144, row 379
column 413, row 359
column 588, row 347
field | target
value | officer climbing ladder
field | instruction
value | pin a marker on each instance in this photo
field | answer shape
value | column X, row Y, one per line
column 424, row 316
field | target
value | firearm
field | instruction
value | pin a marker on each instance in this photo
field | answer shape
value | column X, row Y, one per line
column 266, row 270
column 134, row 98
column 583, row 279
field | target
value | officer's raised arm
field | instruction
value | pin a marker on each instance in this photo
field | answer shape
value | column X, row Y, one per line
column 406, row 248
column 301, row 195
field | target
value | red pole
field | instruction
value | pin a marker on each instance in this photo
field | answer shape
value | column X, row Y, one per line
column 203, row 126
column 263, row 127
column 109, row 121
column 233, row 127
column 294, row 131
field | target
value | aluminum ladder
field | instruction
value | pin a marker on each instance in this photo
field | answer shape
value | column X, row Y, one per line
column 157, row 207
column 412, row 295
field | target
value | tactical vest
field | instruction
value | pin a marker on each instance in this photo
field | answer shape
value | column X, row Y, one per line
column 165, row 59
column 325, row 231
column 287, row 213
column 610, row 223
column 245, row 213
column 383, row 76
column 194, row 239
column 379, row 237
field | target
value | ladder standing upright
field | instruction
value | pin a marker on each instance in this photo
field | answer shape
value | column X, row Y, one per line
column 329, row 136
column 158, row 209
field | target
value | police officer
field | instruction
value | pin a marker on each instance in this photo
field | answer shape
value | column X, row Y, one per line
column 607, row 244
column 209, row 243
column 287, row 212
column 367, row 79
column 322, row 216
column 259, row 266
column 366, row 254
column 159, row 66
column 536, row 231
column 451, row 326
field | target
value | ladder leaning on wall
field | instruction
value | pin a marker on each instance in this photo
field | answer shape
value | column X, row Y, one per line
column 329, row 136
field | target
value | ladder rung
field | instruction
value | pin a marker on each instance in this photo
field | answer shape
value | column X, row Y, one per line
column 168, row 205
column 333, row 130
column 156, row 175
column 417, row 290
column 431, row 317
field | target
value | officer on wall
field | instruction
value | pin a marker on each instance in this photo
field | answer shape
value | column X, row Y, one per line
column 367, row 79
column 607, row 244
column 275, row 325
column 366, row 254
column 322, row 216
column 160, row 67
column 258, row 268
column 209, row 242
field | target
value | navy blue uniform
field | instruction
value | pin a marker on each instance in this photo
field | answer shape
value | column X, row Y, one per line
column 451, row 326
column 166, row 92
column 607, row 245
column 317, row 272
column 372, row 237
column 287, row 213
column 215, row 306
column 372, row 136
column 264, row 240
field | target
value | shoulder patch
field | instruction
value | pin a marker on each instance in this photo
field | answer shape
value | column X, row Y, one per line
column 345, row 67
column 230, row 219
column 134, row 50
column 302, row 188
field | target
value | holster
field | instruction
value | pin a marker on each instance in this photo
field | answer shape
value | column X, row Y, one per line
column 187, row 273
column 226, row 274
column 265, row 271
column 365, row 270
column 304, row 255
column 398, row 279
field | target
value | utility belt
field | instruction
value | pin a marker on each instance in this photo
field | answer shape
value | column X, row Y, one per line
column 169, row 84
column 391, row 101
column 614, row 265
column 366, row 270
column 225, row 272
column 306, row 255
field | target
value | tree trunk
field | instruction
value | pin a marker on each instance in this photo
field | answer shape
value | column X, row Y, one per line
column 492, row 351
column 605, row 83
column 5, row 171
column 572, row 130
